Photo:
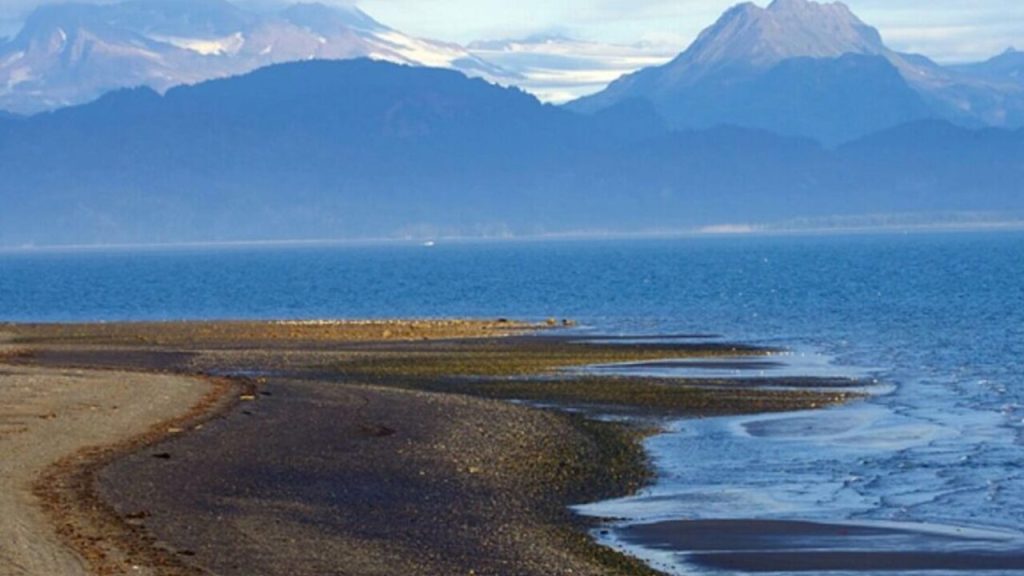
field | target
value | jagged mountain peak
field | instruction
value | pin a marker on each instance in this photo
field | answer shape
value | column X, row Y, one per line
column 780, row 5
column 819, row 14
column 755, row 63
column 748, row 35
column 792, row 6
column 796, row 67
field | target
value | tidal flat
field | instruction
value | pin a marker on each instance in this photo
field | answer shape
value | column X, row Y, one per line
column 412, row 447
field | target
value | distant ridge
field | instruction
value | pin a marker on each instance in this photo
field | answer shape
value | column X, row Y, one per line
column 363, row 149
column 1007, row 68
column 71, row 53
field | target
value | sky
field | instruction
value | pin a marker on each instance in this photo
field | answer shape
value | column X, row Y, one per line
column 945, row 30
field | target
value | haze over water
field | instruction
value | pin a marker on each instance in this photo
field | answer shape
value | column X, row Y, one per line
column 938, row 320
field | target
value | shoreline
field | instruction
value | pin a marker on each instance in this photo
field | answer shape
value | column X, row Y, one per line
column 110, row 543
column 758, row 545
column 593, row 459
column 58, row 425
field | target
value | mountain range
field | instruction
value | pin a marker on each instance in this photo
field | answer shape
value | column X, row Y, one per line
column 793, row 112
column 795, row 67
column 361, row 148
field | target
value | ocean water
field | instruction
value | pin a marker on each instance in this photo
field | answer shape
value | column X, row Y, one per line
column 937, row 320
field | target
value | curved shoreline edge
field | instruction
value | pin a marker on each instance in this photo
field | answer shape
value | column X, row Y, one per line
column 108, row 542
column 111, row 541
column 57, row 426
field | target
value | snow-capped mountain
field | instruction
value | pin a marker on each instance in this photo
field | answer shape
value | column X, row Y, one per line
column 759, row 66
column 72, row 53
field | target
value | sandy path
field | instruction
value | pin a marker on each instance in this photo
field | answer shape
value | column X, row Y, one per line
column 48, row 414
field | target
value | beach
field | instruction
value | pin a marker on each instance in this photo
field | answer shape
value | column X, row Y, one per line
column 51, row 420
column 922, row 471
column 340, row 448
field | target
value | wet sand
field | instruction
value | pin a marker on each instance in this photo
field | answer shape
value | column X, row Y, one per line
column 792, row 546
column 370, row 448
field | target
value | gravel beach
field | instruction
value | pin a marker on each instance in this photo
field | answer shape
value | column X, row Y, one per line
column 333, row 448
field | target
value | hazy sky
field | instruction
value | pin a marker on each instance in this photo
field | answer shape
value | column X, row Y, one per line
column 946, row 30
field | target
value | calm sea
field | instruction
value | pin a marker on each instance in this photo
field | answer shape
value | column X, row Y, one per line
column 938, row 320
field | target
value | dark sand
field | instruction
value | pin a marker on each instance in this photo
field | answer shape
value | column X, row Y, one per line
column 379, row 448
column 330, row 479
column 775, row 546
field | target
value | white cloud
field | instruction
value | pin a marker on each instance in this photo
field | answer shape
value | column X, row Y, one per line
column 993, row 24
column 951, row 44
column 947, row 30
column 560, row 69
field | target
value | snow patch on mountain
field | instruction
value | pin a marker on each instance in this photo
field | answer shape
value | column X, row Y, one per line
column 18, row 76
column 414, row 51
column 228, row 45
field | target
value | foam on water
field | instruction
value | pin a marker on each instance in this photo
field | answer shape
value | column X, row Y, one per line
column 919, row 457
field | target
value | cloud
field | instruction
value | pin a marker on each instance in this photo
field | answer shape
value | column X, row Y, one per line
column 992, row 24
column 558, row 69
column 948, row 30
column 953, row 44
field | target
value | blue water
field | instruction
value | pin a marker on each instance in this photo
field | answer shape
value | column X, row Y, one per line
column 938, row 320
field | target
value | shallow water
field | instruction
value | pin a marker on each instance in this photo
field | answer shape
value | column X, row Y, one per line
column 788, row 365
column 938, row 320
